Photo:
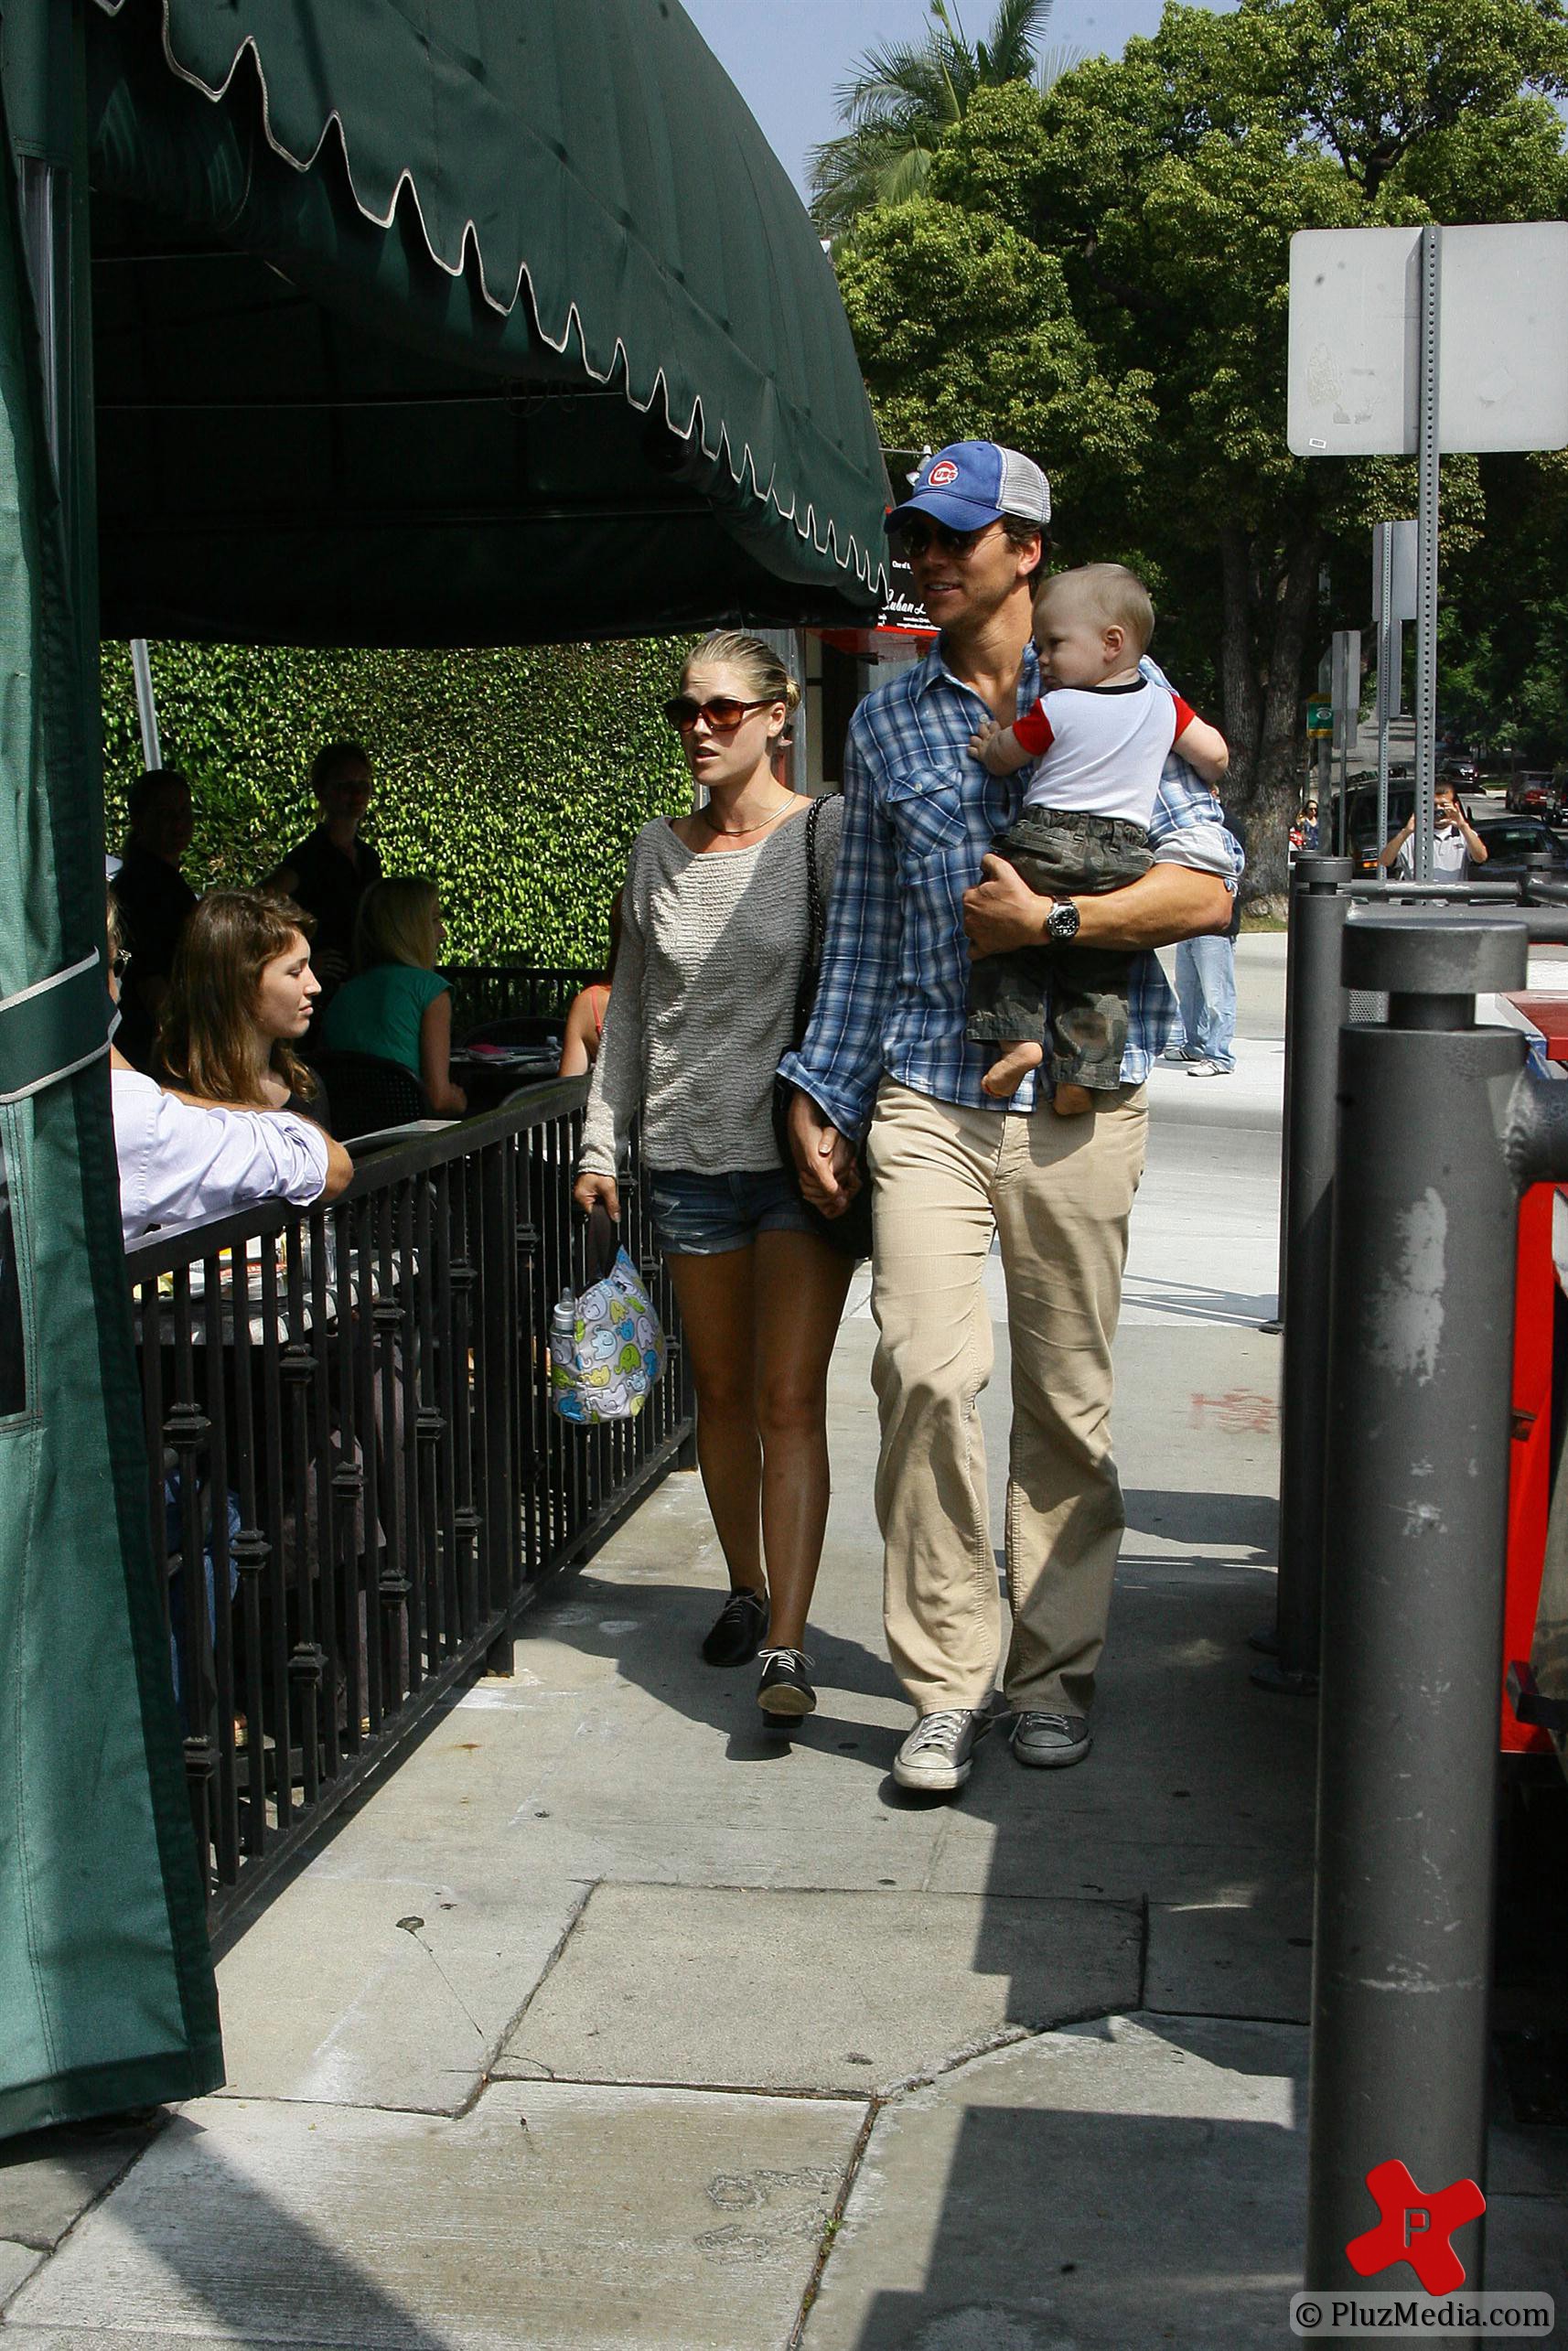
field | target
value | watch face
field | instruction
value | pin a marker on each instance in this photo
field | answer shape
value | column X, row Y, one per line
column 1062, row 921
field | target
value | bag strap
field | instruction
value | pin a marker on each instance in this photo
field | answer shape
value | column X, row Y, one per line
column 603, row 1244
column 816, row 918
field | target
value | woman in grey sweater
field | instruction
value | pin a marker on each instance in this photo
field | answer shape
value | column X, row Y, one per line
column 715, row 923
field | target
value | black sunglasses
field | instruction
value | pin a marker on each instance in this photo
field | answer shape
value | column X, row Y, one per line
column 918, row 538
column 724, row 713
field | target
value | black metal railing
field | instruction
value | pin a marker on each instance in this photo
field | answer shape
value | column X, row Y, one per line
column 357, row 1479
column 487, row 991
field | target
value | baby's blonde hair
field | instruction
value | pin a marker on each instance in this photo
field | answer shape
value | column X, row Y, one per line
column 1112, row 595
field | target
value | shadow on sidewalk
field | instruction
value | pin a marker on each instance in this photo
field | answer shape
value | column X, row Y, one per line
column 207, row 2251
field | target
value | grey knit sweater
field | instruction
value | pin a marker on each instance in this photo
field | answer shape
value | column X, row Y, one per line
column 704, row 1001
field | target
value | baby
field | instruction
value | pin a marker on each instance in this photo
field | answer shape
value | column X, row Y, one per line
column 1102, row 732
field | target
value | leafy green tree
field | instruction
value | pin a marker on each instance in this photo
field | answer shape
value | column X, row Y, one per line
column 1503, row 624
column 901, row 98
column 1099, row 272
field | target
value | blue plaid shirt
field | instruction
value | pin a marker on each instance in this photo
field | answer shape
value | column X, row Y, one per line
column 919, row 815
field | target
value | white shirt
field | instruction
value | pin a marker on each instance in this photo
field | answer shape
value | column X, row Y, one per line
column 1102, row 749
column 179, row 1164
column 1450, row 855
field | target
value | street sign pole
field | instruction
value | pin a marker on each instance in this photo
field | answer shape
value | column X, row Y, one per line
column 1345, row 670
column 1427, row 558
column 1385, row 626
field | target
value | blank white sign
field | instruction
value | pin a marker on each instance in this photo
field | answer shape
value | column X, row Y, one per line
column 1355, row 319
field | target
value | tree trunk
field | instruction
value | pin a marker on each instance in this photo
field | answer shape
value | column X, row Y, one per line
column 1238, row 681
column 1262, row 641
column 1277, row 772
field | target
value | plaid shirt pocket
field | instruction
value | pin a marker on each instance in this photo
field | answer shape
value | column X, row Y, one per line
column 924, row 810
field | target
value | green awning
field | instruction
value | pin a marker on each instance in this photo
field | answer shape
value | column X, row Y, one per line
column 459, row 321
column 106, row 1990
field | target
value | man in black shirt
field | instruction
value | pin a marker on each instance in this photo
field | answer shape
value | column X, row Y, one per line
column 153, row 898
column 329, row 871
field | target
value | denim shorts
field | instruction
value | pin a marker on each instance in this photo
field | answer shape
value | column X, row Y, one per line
column 703, row 1216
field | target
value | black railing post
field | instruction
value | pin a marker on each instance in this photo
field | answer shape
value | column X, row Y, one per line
column 373, row 1379
column 1420, row 1368
column 1315, row 1005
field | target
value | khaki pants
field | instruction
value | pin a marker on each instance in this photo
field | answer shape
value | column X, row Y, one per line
column 1058, row 1192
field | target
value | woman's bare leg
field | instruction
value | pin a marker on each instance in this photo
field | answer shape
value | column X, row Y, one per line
column 800, row 1287
column 715, row 1295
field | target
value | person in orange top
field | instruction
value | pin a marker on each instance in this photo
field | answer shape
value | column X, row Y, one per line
column 585, row 1012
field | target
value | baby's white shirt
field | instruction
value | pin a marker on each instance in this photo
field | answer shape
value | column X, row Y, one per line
column 1102, row 747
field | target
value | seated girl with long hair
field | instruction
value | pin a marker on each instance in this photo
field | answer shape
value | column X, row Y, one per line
column 184, row 1156
column 239, row 1000
column 397, row 1005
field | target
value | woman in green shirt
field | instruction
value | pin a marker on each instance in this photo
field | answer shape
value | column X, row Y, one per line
column 397, row 1005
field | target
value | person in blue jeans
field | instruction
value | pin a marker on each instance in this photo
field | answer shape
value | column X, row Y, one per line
column 1206, row 990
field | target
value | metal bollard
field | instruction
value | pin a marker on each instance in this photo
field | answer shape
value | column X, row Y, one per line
column 1314, row 1011
column 1440, row 1128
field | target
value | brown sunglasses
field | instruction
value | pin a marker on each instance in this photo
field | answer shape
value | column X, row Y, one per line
column 724, row 713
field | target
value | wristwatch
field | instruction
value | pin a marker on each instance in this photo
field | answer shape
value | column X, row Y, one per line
column 1062, row 922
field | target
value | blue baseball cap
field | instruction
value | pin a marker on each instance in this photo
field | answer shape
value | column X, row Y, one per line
column 971, row 483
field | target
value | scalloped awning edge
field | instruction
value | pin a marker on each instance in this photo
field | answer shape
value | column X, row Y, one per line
column 871, row 575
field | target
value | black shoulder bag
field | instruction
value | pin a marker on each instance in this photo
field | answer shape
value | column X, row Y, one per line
column 851, row 1233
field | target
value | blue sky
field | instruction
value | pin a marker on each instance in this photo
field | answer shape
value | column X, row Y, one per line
column 786, row 57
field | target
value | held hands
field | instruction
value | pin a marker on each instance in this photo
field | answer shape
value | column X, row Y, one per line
column 824, row 1158
column 589, row 1191
column 998, row 749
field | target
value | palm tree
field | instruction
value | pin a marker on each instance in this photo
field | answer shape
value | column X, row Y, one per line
column 901, row 98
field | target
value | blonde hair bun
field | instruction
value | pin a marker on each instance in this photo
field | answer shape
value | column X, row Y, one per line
column 758, row 664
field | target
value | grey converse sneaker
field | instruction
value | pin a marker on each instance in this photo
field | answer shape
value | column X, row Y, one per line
column 1049, row 1741
column 937, row 1754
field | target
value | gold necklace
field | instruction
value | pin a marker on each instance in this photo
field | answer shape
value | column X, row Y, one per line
column 739, row 831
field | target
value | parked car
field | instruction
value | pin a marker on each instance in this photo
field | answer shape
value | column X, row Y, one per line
column 1518, row 845
column 1461, row 772
column 1532, row 792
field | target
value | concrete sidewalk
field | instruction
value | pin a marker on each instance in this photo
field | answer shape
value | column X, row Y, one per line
column 611, row 2021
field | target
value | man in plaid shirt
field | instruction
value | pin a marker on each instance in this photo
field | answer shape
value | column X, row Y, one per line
column 887, row 1058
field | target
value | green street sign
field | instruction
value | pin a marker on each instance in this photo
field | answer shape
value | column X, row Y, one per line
column 1319, row 719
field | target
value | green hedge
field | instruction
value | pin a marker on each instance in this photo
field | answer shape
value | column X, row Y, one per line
column 516, row 780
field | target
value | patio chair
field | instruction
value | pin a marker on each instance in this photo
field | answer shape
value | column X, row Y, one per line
column 368, row 1092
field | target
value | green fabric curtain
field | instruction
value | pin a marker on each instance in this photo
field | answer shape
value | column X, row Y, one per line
column 459, row 321
column 106, row 1990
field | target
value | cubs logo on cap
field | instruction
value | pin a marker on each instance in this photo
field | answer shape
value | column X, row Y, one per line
column 971, row 483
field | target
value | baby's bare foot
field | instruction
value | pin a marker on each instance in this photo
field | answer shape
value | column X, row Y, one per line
column 1071, row 1101
column 1009, row 1068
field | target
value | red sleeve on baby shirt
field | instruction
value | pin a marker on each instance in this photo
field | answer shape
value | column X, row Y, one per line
column 1184, row 714
column 1033, row 731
